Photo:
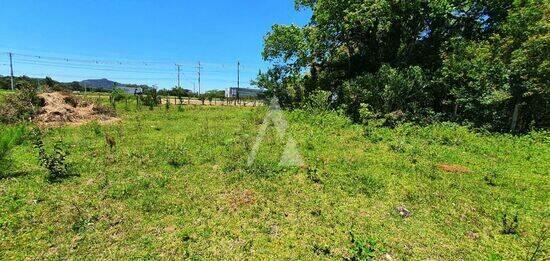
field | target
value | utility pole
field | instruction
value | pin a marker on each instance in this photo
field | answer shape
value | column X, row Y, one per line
column 199, row 68
column 178, row 74
column 11, row 70
column 238, row 81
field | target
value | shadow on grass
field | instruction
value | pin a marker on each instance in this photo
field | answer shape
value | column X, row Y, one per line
column 15, row 174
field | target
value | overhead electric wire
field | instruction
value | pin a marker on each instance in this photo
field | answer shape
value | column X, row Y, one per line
column 92, row 65
column 112, row 78
column 108, row 67
column 122, row 78
column 137, row 67
column 119, row 62
column 45, row 64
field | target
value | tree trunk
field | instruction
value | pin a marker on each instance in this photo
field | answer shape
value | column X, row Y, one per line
column 515, row 118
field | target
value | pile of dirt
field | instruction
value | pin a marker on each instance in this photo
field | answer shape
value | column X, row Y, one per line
column 65, row 108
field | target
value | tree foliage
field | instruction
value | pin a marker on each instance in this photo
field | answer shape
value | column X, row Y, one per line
column 479, row 62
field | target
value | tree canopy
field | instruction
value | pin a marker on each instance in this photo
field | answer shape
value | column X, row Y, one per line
column 479, row 62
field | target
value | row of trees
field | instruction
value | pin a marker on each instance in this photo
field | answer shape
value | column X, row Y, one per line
column 484, row 63
column 5, row 83
column 51, row 84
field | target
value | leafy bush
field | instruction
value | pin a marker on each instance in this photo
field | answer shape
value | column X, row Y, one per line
column 178, row 157
column 390, row 92
column 491, row 178
column 20, row 106
column 118, row 95
column 510, row 224
column 167, row 104
column 55, row 162
column 364, row 249
column 319, row 100
column 9, row 138
column 95, row 127
column 151, row 98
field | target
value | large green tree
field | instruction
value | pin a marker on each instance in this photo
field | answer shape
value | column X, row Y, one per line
column 472, row 61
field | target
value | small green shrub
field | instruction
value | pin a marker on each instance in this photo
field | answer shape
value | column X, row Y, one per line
column 178, row 157
column 398, row 146
column 318, row 101
column 364, row 249
column 167, row 105
column 494, row 257
column 55, row 162
column 82, row 221
column 314, row 175
column 151, row 98
column 368, row 185
column 491, row 178
column 510, row 225
column 95, row 128
column 118, row 95
column 264, row 169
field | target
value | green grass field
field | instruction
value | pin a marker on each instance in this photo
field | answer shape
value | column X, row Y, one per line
column 178, row 185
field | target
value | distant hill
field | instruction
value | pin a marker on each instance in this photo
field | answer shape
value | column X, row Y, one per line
column 100, row 84
column 104, row 85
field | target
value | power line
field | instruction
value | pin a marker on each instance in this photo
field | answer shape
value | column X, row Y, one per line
column 83, row 66
column 107, row 67
column 129, row 78
column 113, row 62
column 92, row 68
column 154, row 68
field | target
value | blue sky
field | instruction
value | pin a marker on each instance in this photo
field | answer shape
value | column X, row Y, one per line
column 140, row 41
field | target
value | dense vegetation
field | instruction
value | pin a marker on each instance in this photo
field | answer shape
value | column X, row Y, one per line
column 172, row 183
column 25, row 81
column 484, row 63
column 53, row 85
column 19, row 106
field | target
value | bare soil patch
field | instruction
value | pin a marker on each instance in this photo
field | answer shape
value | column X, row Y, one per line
column 64, row 108
column 453, row 168
column 239, row 199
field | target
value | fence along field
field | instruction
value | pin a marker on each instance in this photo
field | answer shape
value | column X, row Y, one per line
column 173, row 182
column 173, row 100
